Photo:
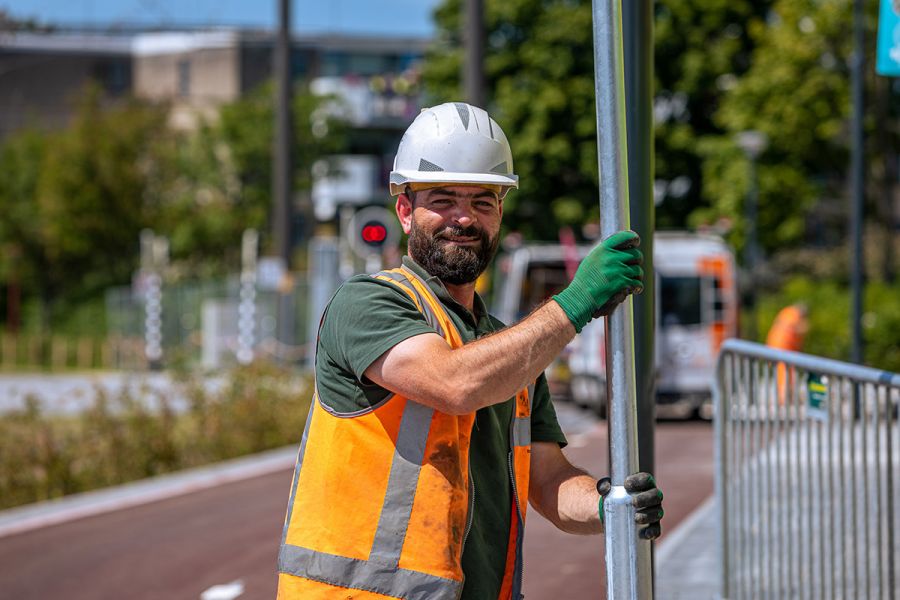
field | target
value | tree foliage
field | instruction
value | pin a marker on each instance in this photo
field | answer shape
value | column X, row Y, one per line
column 221, row 175
column 75, row 200
column 539, row 67
column 721, row 67
column 797, row 93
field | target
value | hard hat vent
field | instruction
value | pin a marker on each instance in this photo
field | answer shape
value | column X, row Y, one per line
column 463, row 111
column 424, row 165
column 501, row 168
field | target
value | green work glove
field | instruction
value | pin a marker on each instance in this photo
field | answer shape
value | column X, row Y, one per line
column 646, row 499
column 604, row 279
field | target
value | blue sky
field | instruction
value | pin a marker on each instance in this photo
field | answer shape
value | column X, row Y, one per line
column 409, row 17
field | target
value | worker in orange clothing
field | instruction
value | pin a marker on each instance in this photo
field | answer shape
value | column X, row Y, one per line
column 431, row 428
column 787, row 333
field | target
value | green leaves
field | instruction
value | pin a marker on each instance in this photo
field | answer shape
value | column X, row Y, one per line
column 75, row 200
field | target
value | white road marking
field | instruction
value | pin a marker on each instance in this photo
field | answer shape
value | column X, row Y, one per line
column 225, row 591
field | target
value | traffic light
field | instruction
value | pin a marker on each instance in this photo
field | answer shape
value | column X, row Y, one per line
column 371, row 230
column 374, row 233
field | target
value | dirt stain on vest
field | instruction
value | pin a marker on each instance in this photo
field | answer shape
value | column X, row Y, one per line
column 445, row 458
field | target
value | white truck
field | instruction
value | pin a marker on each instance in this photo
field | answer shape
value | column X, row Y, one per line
column 696, row 310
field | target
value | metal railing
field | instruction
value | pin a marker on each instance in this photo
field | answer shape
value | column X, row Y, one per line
column 806, row 458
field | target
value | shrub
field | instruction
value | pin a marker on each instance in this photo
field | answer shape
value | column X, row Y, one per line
column 829, row 319
column 136, row 434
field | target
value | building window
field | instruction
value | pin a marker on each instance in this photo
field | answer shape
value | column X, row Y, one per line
column 184, row 77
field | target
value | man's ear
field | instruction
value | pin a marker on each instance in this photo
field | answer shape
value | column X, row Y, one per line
column 404, row 212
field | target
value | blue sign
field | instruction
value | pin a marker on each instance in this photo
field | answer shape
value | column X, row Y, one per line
column 888, row 62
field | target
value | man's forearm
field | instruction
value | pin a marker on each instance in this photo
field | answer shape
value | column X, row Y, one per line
column 484, row 372
column 492, row 369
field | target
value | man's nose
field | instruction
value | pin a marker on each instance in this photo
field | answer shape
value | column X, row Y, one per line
column 464, row 215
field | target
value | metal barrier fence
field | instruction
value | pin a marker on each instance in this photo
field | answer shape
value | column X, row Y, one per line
column 806, row 457
column 185, row 322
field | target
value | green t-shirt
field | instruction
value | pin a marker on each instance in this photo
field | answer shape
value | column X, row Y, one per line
column 366, row 318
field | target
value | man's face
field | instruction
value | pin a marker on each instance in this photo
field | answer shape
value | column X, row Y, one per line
column 453, row 231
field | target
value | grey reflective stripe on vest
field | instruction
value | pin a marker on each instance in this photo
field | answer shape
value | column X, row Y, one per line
column 530, row 396
column 517, row 570
column 381, row 572
column 365, row 575
column 521, row 431
column 402, row 482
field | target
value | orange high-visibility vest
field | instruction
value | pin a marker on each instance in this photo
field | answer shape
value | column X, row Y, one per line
column 786, row 332
column 381, row 501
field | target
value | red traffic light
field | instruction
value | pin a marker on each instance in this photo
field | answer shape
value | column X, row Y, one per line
column 374, row 233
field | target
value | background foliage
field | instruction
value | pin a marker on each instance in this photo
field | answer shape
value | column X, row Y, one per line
column 721, row 67
column 74, row 200
column 124, row 437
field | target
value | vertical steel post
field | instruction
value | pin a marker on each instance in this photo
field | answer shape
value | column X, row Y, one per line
column 637, row 18
column 628, row 558
column 858, row 192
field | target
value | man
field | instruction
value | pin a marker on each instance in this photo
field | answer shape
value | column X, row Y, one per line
column 788, row 332
column 431, row 427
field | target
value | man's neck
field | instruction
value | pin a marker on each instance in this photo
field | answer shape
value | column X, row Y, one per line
column 463, row 293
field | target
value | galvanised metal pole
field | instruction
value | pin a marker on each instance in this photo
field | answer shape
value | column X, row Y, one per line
column 858, row 181
column 628, row 564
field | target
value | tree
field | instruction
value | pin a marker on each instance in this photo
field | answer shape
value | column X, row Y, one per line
column 539, row 68
column 220, row 176
column 797, row 93
column 76, row 200
column 702, row 50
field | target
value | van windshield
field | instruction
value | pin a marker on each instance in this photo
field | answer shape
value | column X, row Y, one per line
column 542, row 280
column 679, row 301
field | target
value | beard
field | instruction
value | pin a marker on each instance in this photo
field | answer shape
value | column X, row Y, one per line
column 452, row 264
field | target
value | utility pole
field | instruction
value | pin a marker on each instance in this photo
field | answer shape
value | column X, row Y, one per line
column 473, row 62
column 281, row 214
column 753, row 143
column 857, row 179
column 637, row 19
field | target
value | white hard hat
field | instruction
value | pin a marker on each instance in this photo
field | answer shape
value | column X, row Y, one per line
column 453, row 143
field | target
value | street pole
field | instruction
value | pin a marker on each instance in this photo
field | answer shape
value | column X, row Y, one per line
column 751, row 215
column 282, row 217
column 753, row 143
column 628, row 558
column 473, row 62
column 858, row 182
column 637, row 17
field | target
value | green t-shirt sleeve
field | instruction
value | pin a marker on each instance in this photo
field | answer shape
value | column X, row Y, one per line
column 544, row 425
column 365, row 318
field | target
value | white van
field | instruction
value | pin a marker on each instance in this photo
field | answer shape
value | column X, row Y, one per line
column 696, row 310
